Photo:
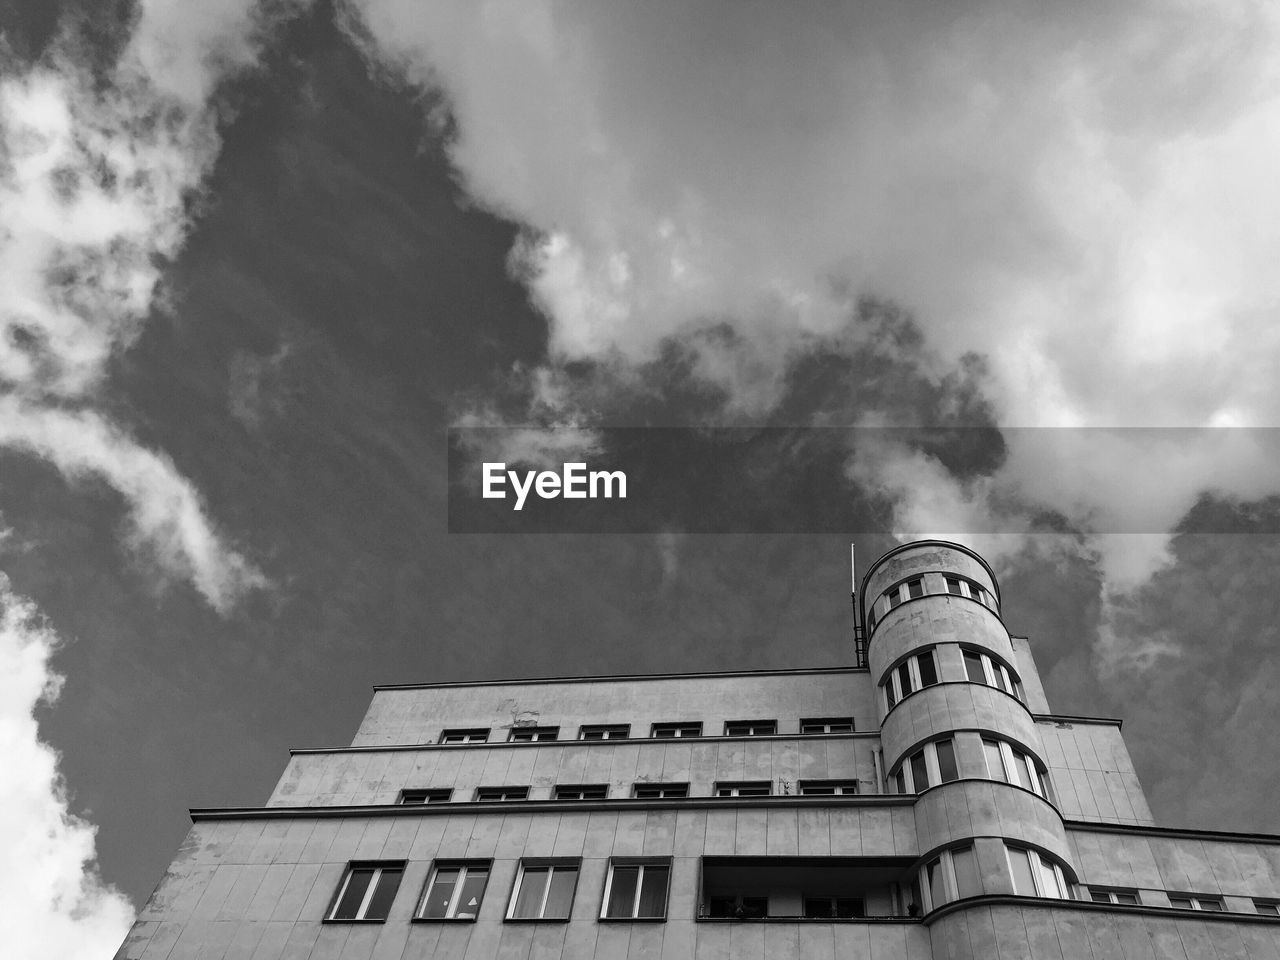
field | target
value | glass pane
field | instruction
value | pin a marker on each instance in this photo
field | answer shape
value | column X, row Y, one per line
column 919, row 772
column 847, row 908
column 472, row 893
column 894, row 599
column 1126, row 898
column 928, row 673
column 995, row 763
column 1184, row 902
column 1048, row 879
column 532, row 885
column 388, row 884
column 561, row 897
column 435, row 905
column 653, row 892
column 953, row 586
column 1210, row 904
column 622, row 891
column 900, row 780
column 1270, row 909
column 904, row 679
column 1002, row 679
column 1099, row 896
column 814, row 790
column 888, row 692
column 937, row 892
column 817, row 908
column 353, row 896
column 592, row 734
column 1020, row 770
column 973, row 668
column 1023, row 884
column 946, row 761
column 916, row 588
column 968, row 883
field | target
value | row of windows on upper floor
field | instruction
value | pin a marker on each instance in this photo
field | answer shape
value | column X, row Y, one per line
column 637, row 888
column 809, row 726
column 936, row 762
column 920, row 670
column 918, row 586
column 639, row 791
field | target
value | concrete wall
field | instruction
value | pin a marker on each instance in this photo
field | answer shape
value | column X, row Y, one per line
column 1045, row 932
column 377, row 777
column 258, row 889
column 1092, row 773
column 1157, row 864
column 417, row 715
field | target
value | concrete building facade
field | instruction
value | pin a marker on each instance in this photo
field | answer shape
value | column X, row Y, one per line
column 922, row 803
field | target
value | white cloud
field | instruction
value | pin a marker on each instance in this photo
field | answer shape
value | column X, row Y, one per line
column 52, row 904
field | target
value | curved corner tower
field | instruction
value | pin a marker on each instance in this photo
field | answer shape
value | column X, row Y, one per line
column 956, row 731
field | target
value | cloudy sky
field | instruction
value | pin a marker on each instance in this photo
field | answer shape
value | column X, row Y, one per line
column 258, row 257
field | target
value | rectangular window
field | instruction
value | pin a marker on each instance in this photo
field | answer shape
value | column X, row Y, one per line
column 995, row 760
column 905, row 685
column 454, row 891
column 1185, row 903
column 968, row 883
column 973, row 667
column 834, row 908
column 919, row 771
column 1268, row 908
column 411, row 797
column 953, row 586
column 594, row 791
column 543, row 891
column 934, row 882
column 828, row 788
column 915, row 588
column 636, row 891
column 467, row 735
column 926, row 669
column 366, row 891
column 1189, row 902
column 747, row 788
column 827, row 725
column 751, row 728
column 1035, row 875
column 534, row 734
column 1024, row 883
column 668, row 731
column 660, row 791
column 605, row 731
column 1113, row 895
column 947, row 770
column 502, row 793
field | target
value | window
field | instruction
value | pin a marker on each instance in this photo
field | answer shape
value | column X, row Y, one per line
column 469, row 735
column 636, row 891
column 502, row 793
column 606, row 731
column 410, row 797
column 543, row 890
column 749, row 788
column 1113, row 895
column 952, row 875
column 534, row 734
column 1187, row 901
column 1268, row 908
column 834, row 908
column 914, row 673
column 454, row 891
column 667, row 731
column 827, row 725
column 981, row 668
column 366, row 891
column 751, row 728
column 660, row 791
column 1035, row 875
column 915, row 588
column 595, row 791
column 828, row 788
column 967, row 588
column 1008, row 763
column 932, row 764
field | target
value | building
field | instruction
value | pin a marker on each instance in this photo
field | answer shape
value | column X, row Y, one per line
column 925, row 803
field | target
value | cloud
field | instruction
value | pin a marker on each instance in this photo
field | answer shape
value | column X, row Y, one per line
column 1083, row 196
column 52, row 902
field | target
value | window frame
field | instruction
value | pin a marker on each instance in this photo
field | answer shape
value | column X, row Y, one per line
column 642, row 862
column 465, row 735
column 682, row 787
column 463, row 866
column 945, row 863
column 1273, row 907
column 826, row 723
column 768, row 728
column 533, row 735
column 522, row 790
column 1112, row 895
column 735, row 786
column 680, row 730
column 430, row 795
column 1038, row 867
column 581, row 788
column 891, row 686
column 902, row 773
column 606, row 730
column 1019, row 761
column 551, row 865
column 380, row 868
column 840, row 788
column 995, row 673
column 1198, row 900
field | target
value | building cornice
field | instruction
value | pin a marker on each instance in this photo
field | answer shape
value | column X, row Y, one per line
column 629, row 677
column 1172, row 833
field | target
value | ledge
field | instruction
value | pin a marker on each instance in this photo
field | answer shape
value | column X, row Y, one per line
column 1007, row 899
column 793, row 672
column 547, row 806
column 1179, row 833
column 521, row 744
